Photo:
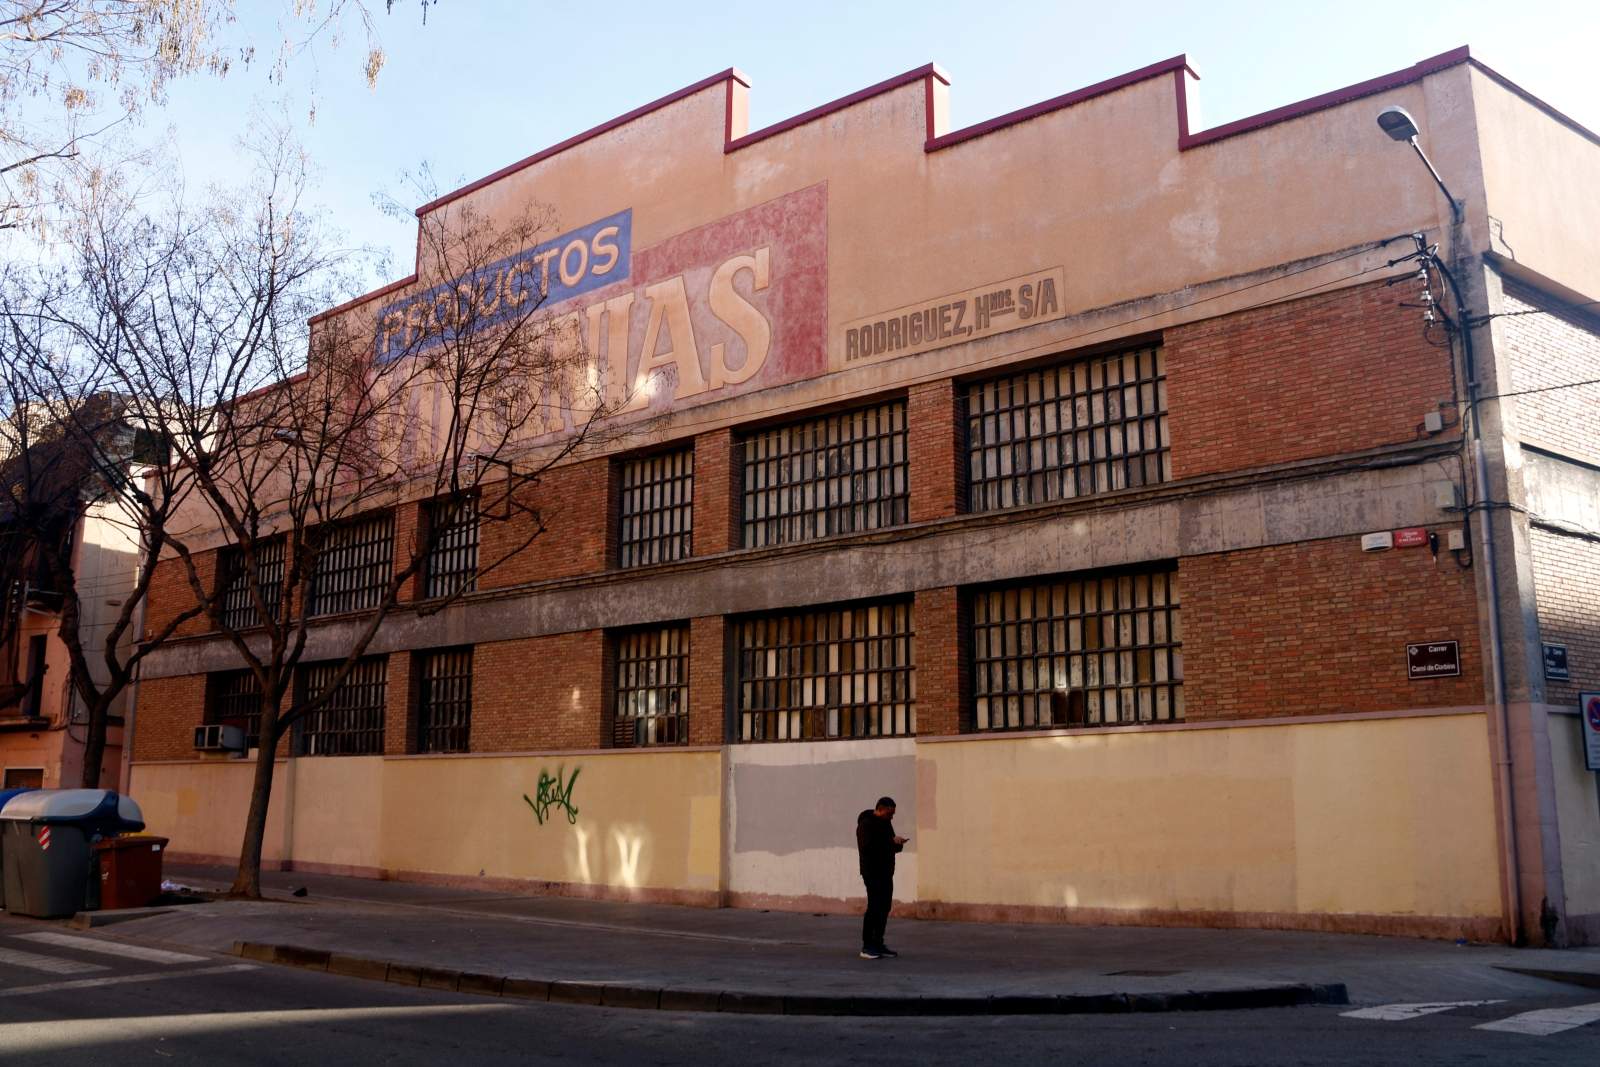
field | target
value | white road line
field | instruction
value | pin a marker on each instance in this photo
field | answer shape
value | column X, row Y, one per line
column 120, row 979
column 1397, row 1012
column 53, row 964
column 112, row 948
column 1546, row 1021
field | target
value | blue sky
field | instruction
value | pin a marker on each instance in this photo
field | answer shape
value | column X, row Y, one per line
column 485, row 83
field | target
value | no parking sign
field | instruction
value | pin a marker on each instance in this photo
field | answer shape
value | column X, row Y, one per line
column 1589, row 711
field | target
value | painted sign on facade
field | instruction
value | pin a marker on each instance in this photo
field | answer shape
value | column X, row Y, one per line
column 553, row 272
column 733, row 306
column 980, row 312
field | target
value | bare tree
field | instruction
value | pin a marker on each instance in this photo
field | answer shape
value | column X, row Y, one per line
column 282, row 435
column 72, row 69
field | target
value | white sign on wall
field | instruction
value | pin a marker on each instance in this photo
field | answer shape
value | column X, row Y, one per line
column 1589, row 712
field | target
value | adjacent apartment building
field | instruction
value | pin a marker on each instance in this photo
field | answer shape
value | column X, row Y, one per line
column 1107, row 491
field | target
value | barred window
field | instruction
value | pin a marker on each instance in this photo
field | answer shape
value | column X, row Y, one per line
column 656, row 512
column 238, row 605
column 831, row 475
column 353, row 565
column 1092, row 651
column 351, row 723
column 652, row 702
column 1075, row 429
column 444, row 701
column 452, row 563
column 830, row 673
column 236, row 701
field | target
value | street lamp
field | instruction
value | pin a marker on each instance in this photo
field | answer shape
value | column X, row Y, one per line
column 1397, row 122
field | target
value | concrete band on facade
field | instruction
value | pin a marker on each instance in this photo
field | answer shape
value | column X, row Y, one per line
column 1305, row 781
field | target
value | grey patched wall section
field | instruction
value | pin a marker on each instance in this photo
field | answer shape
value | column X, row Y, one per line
column 784, row 809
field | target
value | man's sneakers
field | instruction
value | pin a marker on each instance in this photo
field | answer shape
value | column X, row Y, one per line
column 885, row 950
column 881, row 952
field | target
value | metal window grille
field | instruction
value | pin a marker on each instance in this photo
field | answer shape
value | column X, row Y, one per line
column 353, row 565
column 1093, row 651
column 444, row 701
column 656, row 512
column 238, row 606
column 236, row 701
column 452, row 562
column 832, row 673
column 652, row 701
column 1074, row 429
column 832, row 475
column 351, row 723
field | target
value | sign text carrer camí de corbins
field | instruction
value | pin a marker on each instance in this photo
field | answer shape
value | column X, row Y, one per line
column 557, row 271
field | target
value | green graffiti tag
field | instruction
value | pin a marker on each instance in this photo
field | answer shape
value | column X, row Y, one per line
column 551, row 793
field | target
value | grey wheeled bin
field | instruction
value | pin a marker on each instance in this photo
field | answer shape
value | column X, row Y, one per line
column 6, row 795
column 47, row 835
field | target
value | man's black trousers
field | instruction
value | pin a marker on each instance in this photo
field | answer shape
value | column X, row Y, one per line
column 880, row 892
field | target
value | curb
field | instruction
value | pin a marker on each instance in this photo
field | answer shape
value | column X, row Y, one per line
column 613, row 995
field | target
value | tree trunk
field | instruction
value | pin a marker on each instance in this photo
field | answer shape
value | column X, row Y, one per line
column 94, row 747
column 247, row 880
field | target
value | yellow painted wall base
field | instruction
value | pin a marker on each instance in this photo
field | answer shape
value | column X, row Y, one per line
column 1376, row 825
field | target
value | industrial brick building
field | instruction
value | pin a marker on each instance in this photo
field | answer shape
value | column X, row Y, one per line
column 1086, row 482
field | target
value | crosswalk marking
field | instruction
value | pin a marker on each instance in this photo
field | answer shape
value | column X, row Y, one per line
column 111, row 948
column 1546, row 1020
column 1397, row 1012
column 122, row 979
column 52, row 964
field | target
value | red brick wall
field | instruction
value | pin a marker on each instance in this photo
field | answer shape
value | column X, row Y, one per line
column 934, row 435
column 1553, row 349
column 707, row 710
column 1566, row 580
column 170, row 595
column 408, row 534
column 941, row 659
column 400, row 702
column 716, row 493
column 1321, row 627
column 540, row 693
column 1333, row 373
column 574, row 503
column 168, row 711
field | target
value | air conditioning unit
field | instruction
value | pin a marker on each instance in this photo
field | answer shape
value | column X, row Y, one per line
column 219, row 738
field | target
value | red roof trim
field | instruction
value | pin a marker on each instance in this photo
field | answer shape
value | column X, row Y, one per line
column 732, row 73
column 358, row 301
column 1077, row 96
column 1382, row 84
column 927, row 70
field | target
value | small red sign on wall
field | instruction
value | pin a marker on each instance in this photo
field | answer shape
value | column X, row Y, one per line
column 1411, row 537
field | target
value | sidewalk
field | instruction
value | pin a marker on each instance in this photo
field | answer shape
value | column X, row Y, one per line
column 756, row 958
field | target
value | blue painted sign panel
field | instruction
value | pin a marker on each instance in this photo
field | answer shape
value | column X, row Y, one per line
column 547, row 274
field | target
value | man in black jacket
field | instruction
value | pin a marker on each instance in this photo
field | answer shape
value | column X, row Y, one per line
column 877, row 845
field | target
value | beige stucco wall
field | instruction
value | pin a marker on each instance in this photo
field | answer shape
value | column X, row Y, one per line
column 1577, row 793
column 201, row 806
column 1381, row 817
column 644, row 820
column 1540, row 178
column 1376, row 817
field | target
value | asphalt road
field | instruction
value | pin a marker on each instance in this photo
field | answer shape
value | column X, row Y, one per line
column 80, row 999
